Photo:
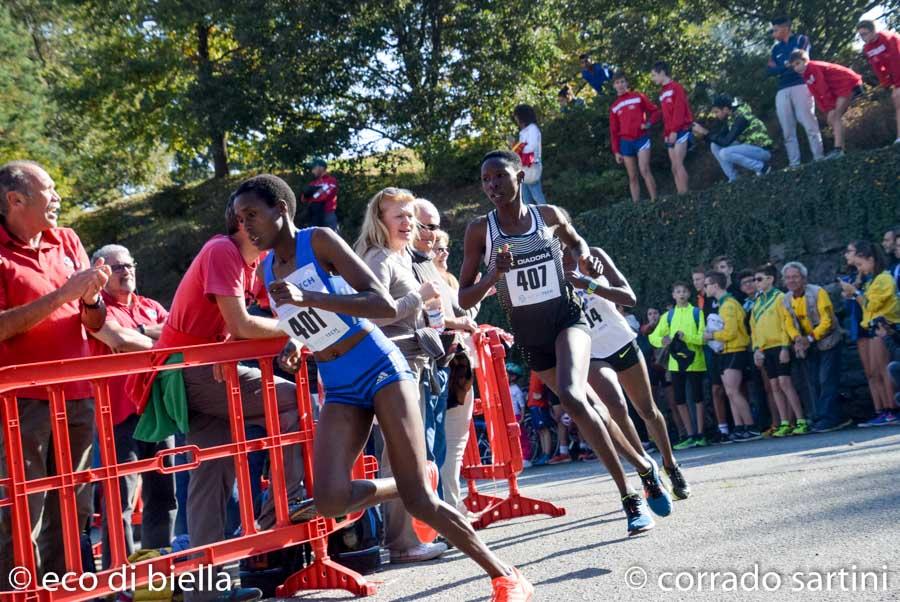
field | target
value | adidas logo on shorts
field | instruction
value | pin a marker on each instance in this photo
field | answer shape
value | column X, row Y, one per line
column 381, row 377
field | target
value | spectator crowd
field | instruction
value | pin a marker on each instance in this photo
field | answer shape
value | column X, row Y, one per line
column 737, row 139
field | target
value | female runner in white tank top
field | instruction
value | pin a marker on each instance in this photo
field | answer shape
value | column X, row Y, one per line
column 616, row 359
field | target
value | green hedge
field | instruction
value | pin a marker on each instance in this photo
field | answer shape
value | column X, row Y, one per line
column 786, row 215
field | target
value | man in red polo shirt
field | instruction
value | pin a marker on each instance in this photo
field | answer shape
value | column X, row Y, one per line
column 133, row 323
column 834, row 87
column 49, row 294
column 210, row 304
column 882, row 49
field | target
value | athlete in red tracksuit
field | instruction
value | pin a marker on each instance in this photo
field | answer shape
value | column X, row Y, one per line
column 833, row 86
column 630, row 116
column 883, row 51
column 677, row 121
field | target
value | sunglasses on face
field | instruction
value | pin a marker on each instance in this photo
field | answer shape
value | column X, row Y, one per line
column 759, row 278
column 430, row 227
column 123, row 267
column 441, row 250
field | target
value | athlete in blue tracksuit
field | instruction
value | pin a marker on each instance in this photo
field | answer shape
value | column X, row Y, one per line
column 322, row 294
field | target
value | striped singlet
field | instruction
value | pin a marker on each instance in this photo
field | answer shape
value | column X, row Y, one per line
column 534, row 294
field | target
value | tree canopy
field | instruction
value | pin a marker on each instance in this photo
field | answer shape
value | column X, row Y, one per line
column 122, row 95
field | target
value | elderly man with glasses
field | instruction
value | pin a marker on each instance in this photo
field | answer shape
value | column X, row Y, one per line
column 133, row 323
column 810, row 322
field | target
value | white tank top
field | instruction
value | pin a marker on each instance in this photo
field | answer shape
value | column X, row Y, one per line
column 609, row 329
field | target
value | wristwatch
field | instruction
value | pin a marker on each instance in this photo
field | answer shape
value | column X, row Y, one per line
column 592, row 287
column 96, row 305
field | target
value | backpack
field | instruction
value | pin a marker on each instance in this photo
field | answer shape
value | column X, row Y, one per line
column 671, row 314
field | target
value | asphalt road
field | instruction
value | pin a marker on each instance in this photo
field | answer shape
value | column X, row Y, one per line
column 805, row 517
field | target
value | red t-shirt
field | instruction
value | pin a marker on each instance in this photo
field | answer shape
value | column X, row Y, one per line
column 327, row 193
column 829, row 81
column 676, row 112
column 884, row 56
column 28, row 274
column 217, row 270
column 626, row 116
column 141, row 312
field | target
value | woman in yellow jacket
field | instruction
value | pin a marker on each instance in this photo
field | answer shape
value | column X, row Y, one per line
column 771, row 350
column 735, row 356
column 877, row 297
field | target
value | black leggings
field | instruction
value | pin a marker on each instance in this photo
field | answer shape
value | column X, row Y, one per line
column 680, row 382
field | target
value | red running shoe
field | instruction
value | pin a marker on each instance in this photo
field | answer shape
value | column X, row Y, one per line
column 512, row 588
column 560, row 459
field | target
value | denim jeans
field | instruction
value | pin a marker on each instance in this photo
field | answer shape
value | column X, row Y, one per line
column 435, row 413
column 533, row 194
column 747, row 156
column 823, row 376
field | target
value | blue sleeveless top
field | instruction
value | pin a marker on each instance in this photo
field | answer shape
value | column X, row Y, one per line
column 315, row 328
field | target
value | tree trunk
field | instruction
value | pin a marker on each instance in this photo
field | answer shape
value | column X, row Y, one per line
column 218, row 145
column 220, row 154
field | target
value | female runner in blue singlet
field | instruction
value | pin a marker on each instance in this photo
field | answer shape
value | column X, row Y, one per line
column 322, row 294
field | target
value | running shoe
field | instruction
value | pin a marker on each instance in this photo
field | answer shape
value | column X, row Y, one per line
column 301, row 510
column 734, row 437
column 686, row 443
column 769, row 432
column 888, row 418
column 835, row 154
column 751, row 435
column 785, row 430
column 655, row 492
column 680, row 488
column 588, row 456
column 721, row 438
column 540, row 460
column 639, row 520
column 419, row 553
column 240, row 594
column 827, row 427
column 512, row 588
column 560, row 459
column 873, row 422
column 802, row 428
column 701, row 441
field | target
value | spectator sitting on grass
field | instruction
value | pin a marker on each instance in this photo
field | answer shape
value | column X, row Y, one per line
column 741, row 141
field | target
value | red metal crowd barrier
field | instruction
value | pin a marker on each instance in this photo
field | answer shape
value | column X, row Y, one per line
column 503, row 434
column 321, row 574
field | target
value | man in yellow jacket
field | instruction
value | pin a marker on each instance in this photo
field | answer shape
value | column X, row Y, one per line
column 680, row 330
column 735, row 357
column 771, row 350
column 811, row 324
